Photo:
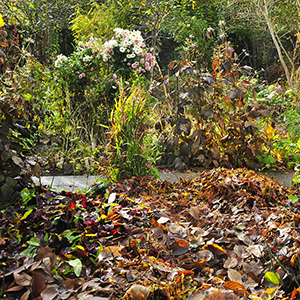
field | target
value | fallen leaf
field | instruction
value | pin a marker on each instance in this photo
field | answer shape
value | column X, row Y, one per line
column 235, row 286
column 49, row 293
column 222, row 296
column 234, row 275
column 216, row 249
column 22, row 279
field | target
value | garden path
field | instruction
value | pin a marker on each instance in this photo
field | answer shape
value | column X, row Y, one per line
column 74, row 183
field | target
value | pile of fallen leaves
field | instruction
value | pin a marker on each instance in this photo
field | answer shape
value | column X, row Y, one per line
column 227, row 234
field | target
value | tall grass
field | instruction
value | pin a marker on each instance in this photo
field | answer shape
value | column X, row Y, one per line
column 131, row 150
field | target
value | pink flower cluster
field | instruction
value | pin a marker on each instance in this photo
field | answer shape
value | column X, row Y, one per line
column 145, row 64
column 81, row 75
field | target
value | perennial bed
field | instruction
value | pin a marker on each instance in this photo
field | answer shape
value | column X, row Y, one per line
column 228, row 234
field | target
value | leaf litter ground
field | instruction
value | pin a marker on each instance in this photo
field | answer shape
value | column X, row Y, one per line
column 227, row 234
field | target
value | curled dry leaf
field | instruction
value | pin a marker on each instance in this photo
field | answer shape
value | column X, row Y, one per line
column 22, row 279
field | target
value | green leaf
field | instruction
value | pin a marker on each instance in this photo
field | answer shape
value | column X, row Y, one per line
column 32, row 5
column 77, row 265
column 34, row 242
column 26, row 214
column 240, row 227
column 294, row 198
column 27, row 251
column 272, row 278
column 27, row 195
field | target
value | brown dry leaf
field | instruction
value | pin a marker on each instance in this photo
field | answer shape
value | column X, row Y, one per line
column 179, row 247
column 36, row 170
column 252, row 267
column 18, row 161
column 205, row 254
column 196, row 266
column 216, row 249
column 109, row 253
column 195, row 212
column 26, row 295
column 49, row 293
column 44, row 252
column 15, row 288
column 222, row 296
column 255, row 250
column 231, row 262
column 235, row 286
column 22, row 279
column 2, row 241
column 234, row 275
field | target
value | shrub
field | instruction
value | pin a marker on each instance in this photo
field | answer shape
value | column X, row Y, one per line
column 210, row 121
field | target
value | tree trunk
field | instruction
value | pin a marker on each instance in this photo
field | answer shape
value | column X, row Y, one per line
column 275, row 41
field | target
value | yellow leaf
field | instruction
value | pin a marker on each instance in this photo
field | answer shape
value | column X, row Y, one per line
column 270, row 131
column 1, row 21
column 269, row 293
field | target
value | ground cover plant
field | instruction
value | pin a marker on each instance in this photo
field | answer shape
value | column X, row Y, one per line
column 227, row 234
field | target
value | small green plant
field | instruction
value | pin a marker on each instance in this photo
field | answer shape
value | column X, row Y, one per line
column 269, row 161
column 131, row 150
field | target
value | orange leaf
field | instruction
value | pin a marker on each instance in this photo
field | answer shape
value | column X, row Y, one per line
column 186, row 272
column 3, row 44
column 155, row 224
column 235, row 286
column 293, row 260
column 216, row 249
column 110, row 215
column 172, row 64
column 294, row 293
column 215, row 64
